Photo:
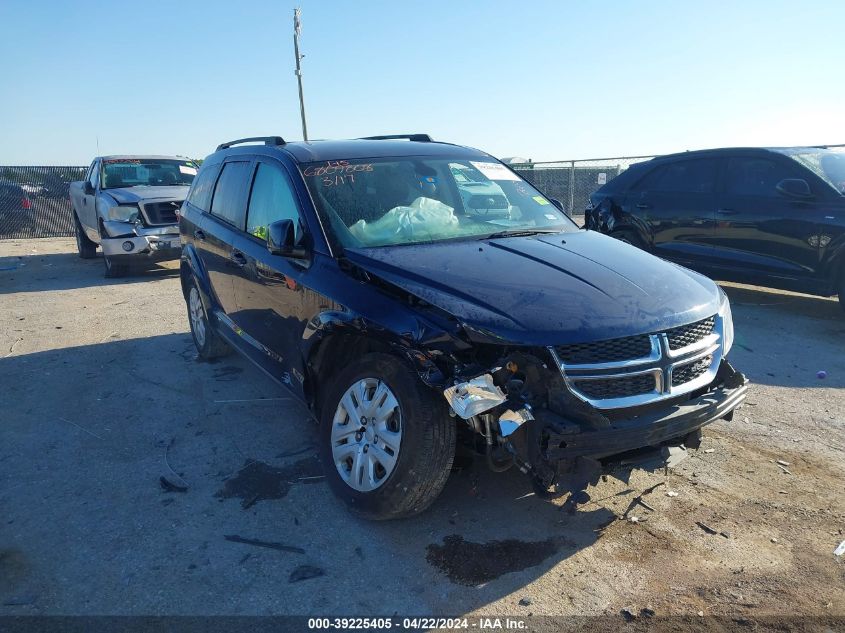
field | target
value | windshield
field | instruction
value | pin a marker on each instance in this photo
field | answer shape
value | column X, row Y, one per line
column 827, row 164
column 132, row 172
column 415, row 200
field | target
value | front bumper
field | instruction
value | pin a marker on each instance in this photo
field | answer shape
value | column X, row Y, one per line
column 127, row 240
column 647, row 430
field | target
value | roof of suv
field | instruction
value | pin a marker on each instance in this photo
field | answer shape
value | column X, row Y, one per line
column 731, row 150
column 306, row 152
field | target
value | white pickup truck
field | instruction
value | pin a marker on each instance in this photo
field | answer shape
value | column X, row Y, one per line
column 128, row 206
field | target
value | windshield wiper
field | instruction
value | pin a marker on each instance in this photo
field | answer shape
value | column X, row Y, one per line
column 518, row 233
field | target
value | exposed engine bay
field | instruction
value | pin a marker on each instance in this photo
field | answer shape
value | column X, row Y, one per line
column 524, row 415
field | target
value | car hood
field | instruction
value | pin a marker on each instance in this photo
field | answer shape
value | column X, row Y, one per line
column 133, row 195
column 545, row 290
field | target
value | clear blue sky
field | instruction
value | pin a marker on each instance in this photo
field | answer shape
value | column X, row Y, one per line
column 542, row 79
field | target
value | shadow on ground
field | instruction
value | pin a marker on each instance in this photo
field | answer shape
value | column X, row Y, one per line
column 163, row 471
column 65, row 271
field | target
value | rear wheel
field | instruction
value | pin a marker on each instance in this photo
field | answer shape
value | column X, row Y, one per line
column 209, row 344
column 86, row 248
column 386, row 441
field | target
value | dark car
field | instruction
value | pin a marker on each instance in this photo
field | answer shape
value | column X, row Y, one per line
column 15, row 209
column 356, row 274
column 771, row 217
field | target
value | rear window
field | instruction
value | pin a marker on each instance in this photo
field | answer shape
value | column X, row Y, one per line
column 228, row 201
column 691, row 176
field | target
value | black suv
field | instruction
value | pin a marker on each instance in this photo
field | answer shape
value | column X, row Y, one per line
column 771, row 217
column 363, row 277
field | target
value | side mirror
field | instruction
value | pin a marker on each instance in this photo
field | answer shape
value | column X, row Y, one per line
column 557, row 204
column 794, row 188
column 88, row 188
column 281, row 240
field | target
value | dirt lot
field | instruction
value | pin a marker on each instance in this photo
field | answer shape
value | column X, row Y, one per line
column 102, row 396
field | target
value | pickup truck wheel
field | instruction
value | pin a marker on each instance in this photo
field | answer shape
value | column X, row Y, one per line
column 87, row 249
column 114, row 269
column 209, row 344
column 386, row 441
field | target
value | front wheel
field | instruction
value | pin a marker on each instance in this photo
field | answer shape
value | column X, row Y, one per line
column 84, row 246
column 386, row 440
column 629, row 236
column 114, row 268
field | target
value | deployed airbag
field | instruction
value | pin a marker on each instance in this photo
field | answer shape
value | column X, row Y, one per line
column 424, row 218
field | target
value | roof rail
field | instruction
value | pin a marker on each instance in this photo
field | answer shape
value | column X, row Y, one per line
column 419, row 138
column 268, row 140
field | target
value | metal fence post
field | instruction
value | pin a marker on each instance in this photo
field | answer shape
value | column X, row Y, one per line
column 571, row 187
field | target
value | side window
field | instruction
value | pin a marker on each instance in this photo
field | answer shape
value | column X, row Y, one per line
column 203, row 185
column 755, row 176
column 691, row 176
column 272, row 199
column 94, row 174
column 228, row 194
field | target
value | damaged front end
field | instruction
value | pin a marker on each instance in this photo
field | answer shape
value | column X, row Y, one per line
column 566, row 415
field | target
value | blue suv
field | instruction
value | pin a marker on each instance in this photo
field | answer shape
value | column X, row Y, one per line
column 408, row 317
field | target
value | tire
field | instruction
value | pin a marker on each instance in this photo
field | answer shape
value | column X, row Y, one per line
column 114, row 268
column 86, row 248
column 422, row 439
column 208, row 343
column 629, row 236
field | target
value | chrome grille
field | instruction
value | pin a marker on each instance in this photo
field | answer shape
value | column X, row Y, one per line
column 685, row 335
column 161, row 212
column 685, row 373
column 605, row 351
column 623, row 387
column 638, row 370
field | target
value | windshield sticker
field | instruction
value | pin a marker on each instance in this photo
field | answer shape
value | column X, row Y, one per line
column 191, row 171
column 494, row 171
column 550, row 216
column 336, row 167
column 540, row 200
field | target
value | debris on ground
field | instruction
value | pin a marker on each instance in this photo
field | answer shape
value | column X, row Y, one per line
column 784, row 469
column 525, row 602
column 726, row 534
column 774, row 540
column 706, row 528
column 710, row 450
column 647, row 612
column 839, row 551
column 169, row 486
column 629, row 613
column 671, row 493
column 234, row 538
column 782, row 463
column 305, row 572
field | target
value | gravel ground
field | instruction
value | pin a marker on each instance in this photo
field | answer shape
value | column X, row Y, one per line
column 102, row 396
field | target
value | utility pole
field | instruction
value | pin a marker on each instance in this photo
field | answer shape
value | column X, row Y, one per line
column 297, row 31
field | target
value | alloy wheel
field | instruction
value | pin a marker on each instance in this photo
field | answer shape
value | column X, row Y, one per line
column 197, row 316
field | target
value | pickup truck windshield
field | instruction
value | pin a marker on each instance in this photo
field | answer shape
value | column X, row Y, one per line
column 827, row 164
column 131, row 172
column 414, row 200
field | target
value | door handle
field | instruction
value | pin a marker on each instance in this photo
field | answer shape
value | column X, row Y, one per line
column 238, row 258
column 643, row 205
column 199, row 235
column 726, row 212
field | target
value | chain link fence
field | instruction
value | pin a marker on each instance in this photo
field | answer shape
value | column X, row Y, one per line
column 35, row 201
column 572, row 181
